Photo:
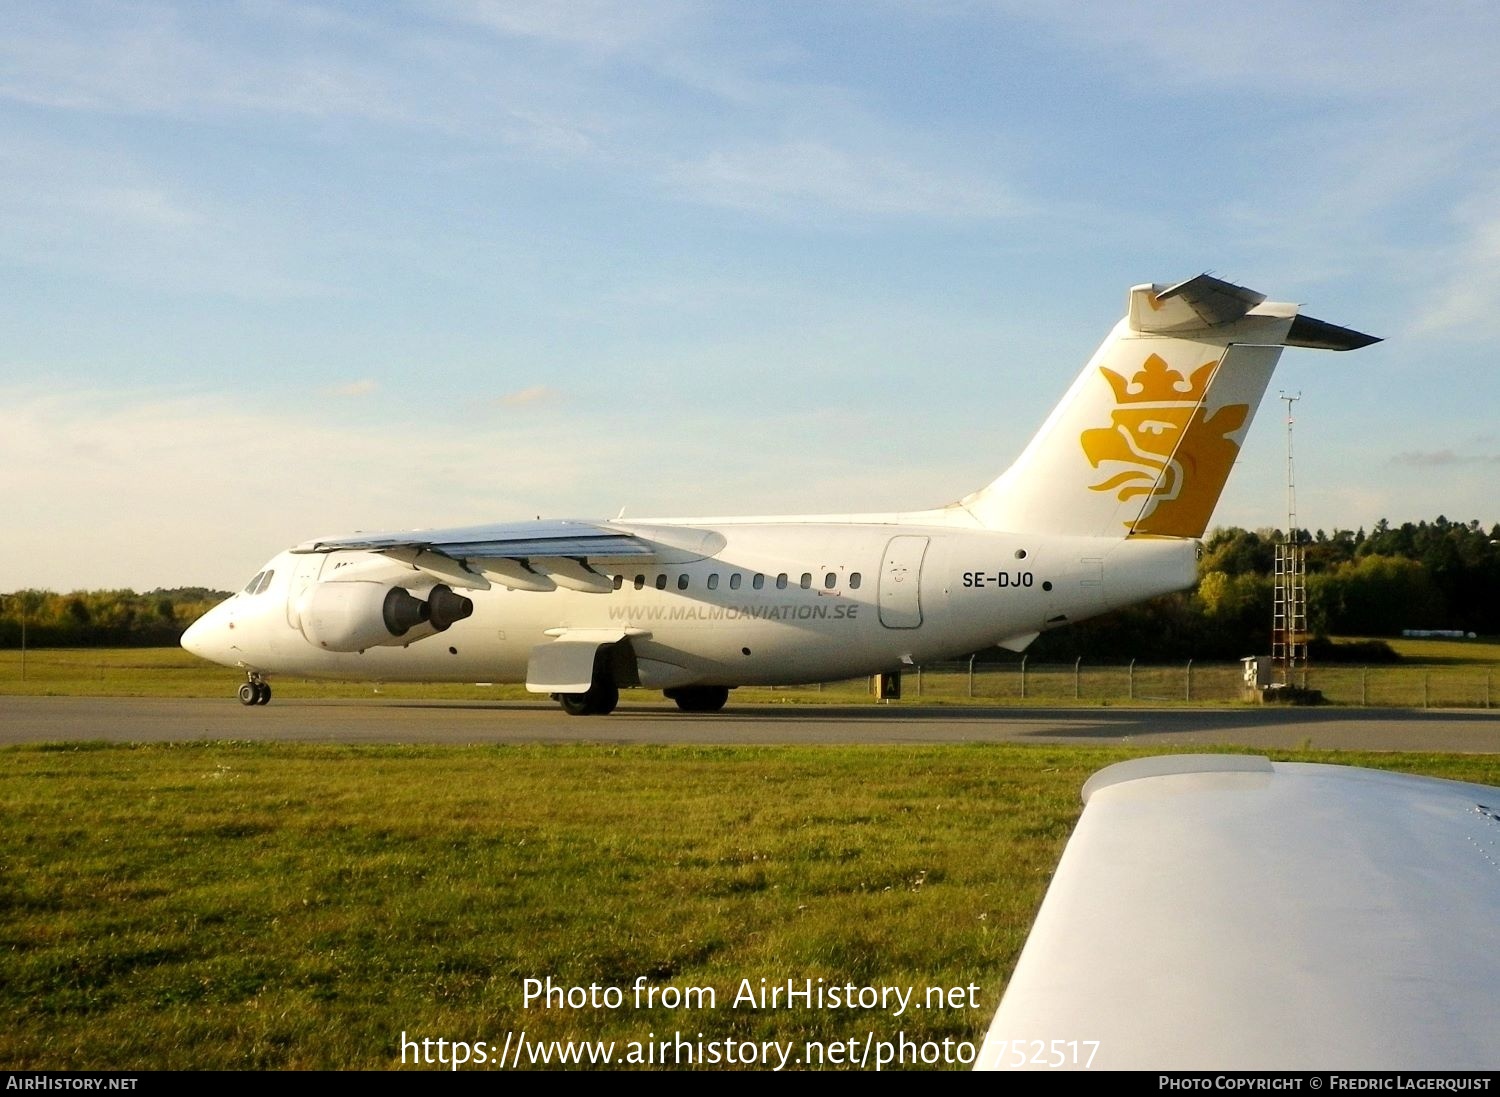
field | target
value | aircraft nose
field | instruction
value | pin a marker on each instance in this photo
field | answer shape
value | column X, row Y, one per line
column 207, row 637
column 195, row 639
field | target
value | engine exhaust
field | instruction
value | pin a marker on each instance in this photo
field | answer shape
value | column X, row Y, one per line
column 444, row 607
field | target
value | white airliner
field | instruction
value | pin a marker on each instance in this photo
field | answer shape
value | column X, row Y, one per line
column 1103, row 508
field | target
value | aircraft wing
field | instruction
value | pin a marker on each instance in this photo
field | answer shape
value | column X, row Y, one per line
column 535, row 556
column 503, row 541
column 1223, row 912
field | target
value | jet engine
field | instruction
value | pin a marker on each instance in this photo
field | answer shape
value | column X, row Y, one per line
column 352, row 615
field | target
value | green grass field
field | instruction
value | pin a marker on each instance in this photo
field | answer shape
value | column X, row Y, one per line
column 1435, row 652
column 1435, row 673
column 232, row 905
column 173, row 672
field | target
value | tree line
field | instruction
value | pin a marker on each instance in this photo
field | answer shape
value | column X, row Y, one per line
column 1427, row 575
column 1419, row 575
column 104, row 618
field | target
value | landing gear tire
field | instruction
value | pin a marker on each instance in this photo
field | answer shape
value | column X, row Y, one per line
column 263, row 693
column 699, row 698
column 249, row 694
column 603, row 693
column 600, row 700
column 575, row 704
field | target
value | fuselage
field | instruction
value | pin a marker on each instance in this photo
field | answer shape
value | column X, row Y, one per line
column 774, row 602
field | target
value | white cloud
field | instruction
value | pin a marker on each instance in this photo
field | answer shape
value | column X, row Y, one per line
column 1464, row 295
column 1442, row 458
column 813, row 175
column 108, row 488
column 363, row 387
column 158, row 59
column 533, row 394
column 602, row 26
column 147, row 207
column 1280, row 48
column 104, row 211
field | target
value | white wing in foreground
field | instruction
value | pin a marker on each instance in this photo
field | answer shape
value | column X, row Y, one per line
column 1222, row 912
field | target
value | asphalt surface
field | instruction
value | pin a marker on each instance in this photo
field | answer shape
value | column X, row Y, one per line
column 77, row 719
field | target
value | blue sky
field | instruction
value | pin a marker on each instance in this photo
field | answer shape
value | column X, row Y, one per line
column 272, row 270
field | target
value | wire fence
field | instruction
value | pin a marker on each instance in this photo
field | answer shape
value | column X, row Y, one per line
column 1192, row 682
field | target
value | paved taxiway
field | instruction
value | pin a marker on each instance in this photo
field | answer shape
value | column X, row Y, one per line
column 76, row 719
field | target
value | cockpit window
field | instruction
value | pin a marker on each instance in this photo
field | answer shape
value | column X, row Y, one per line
column 261, row 581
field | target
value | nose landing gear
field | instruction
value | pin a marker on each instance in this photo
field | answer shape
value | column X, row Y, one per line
column 256, row 691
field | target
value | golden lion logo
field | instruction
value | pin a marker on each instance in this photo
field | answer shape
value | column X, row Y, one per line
column 1172, row 452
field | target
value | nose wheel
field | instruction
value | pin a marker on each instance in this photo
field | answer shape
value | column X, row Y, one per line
column 255, row 692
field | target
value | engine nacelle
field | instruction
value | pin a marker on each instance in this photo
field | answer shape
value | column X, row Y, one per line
column 352, row 615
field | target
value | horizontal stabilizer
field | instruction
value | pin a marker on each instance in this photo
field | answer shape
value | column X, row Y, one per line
column 1321, row 335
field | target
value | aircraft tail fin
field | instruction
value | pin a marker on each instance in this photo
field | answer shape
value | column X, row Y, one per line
column 1143, row 442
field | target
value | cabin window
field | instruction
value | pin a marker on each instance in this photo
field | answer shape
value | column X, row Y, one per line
column 807, row 580
column 734, row 581
column 829, row 580
column 619, row 581
column 713, row 581
column 758, row 582
column 854, row 580
column 781, row 581
column 682, row 581
column 640, row 581
column 661, row 581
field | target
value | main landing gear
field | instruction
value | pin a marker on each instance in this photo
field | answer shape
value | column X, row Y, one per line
column 699, row 698
column 256, row 691
column 615, row 663
column 603, row 693
column 600, row 700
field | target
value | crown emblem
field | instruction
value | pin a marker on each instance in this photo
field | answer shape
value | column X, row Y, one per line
column 1158, row 383
column 1163, row 452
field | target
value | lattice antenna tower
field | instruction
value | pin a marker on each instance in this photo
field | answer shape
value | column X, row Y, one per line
column 1289, row 610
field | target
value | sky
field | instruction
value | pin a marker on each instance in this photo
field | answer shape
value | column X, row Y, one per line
column 276, row 270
